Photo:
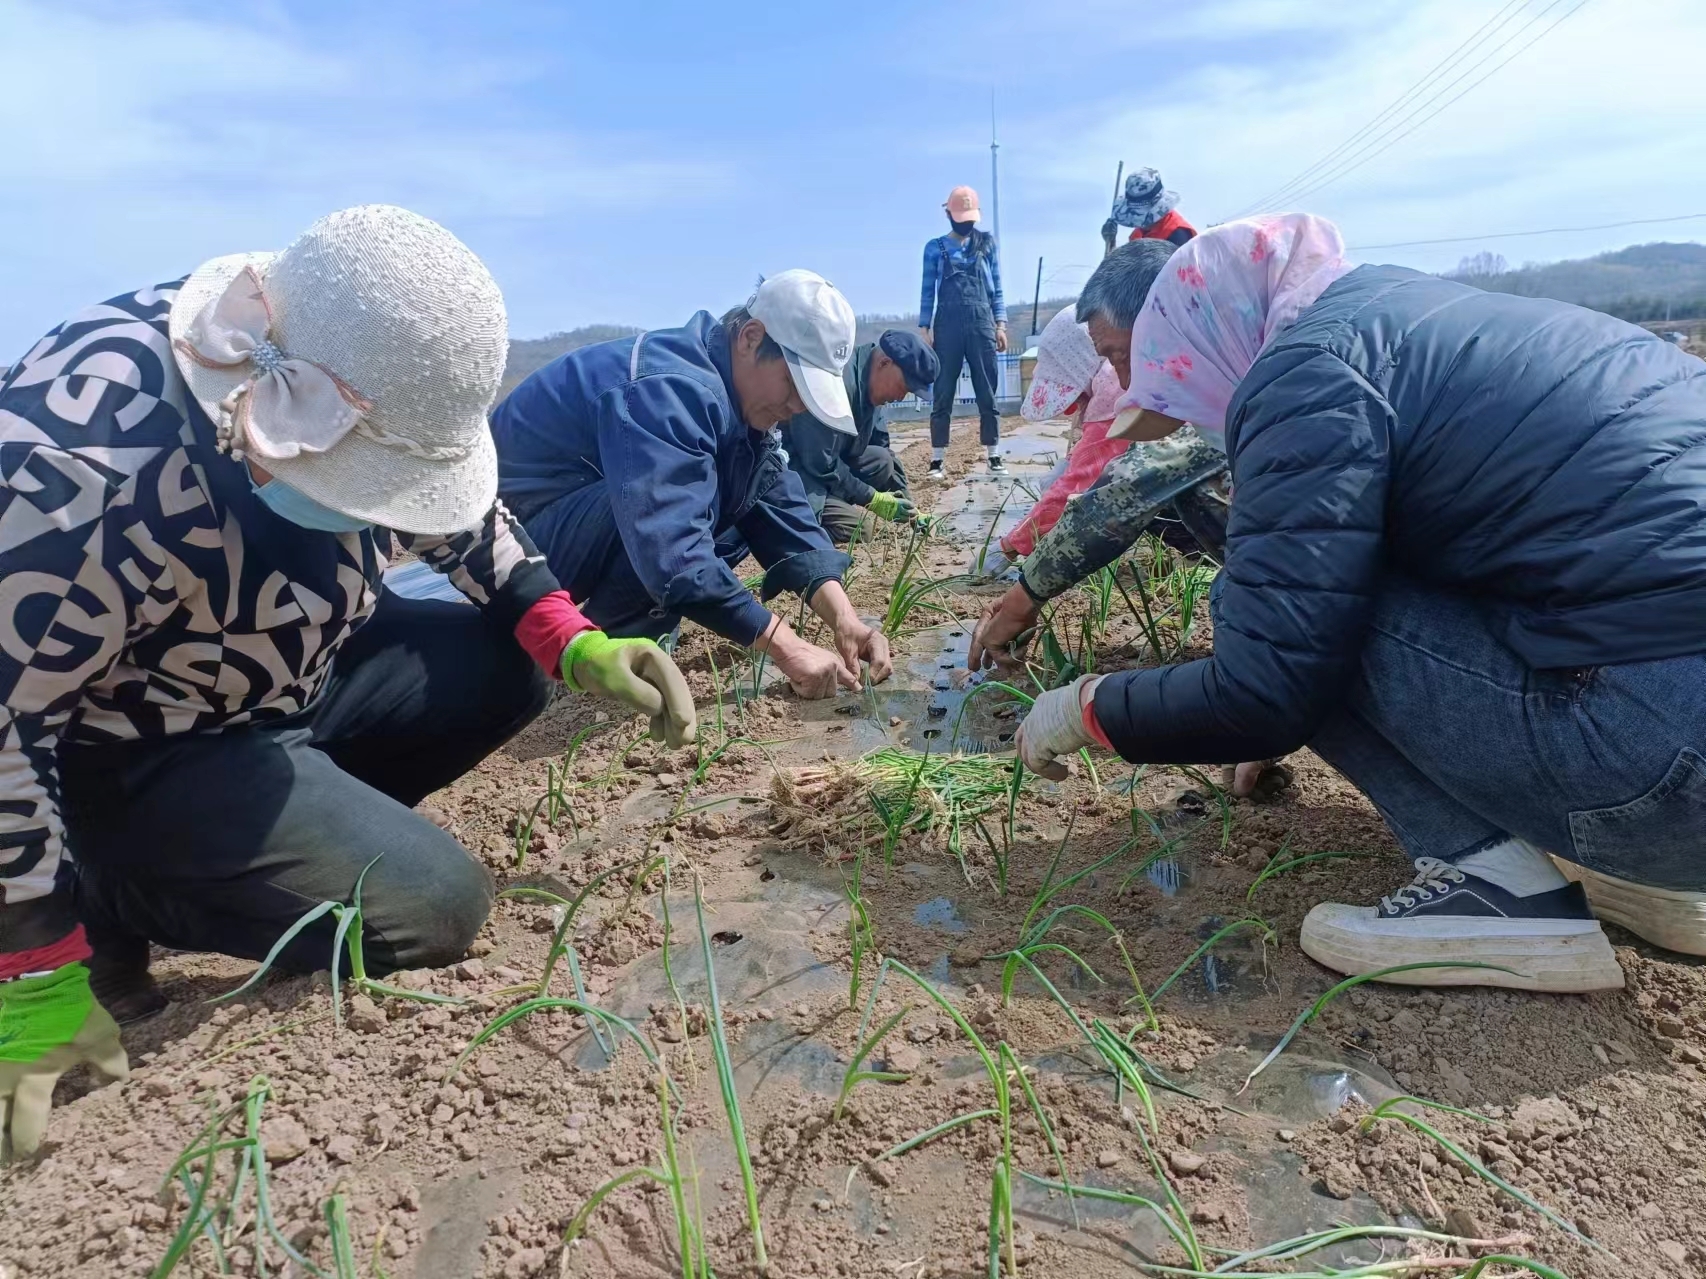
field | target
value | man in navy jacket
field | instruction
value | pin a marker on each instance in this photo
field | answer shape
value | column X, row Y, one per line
column 647, row 468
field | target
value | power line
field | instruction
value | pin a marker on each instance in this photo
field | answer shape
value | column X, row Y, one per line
column 1498, row 19
column 1399, row 132
column 1512, row 235
column 1384, row 132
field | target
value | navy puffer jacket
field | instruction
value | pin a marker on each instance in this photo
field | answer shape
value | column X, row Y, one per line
column 1547, row 461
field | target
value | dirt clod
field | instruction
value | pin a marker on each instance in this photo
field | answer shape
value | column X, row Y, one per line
column 1187, row 1163
column 285, row 1139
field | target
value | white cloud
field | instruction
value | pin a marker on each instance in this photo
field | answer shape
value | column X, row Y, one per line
column 139, row 144
column 1599, row 121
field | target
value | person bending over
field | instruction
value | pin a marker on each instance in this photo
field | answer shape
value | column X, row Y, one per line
column 214, row 714
column 1466, row 565
column 647, row 468
column 1072, row 381
column 845, row 474
column 1166, row 468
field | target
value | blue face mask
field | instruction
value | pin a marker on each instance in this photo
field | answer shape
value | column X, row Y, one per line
column 302, row 510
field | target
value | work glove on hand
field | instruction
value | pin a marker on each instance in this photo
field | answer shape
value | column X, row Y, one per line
column 892, row 506
column 1053, row 728
column 1110, row 233
column 640, row 675
column 49, row 1024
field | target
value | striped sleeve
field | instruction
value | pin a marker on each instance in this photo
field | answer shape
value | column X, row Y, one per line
column 495, row 564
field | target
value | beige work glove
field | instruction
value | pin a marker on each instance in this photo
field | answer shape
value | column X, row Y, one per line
column 640, row 675
column 48, row 1024
column 1053, row 729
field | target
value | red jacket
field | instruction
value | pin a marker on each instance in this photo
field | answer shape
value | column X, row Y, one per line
column 1172, row 227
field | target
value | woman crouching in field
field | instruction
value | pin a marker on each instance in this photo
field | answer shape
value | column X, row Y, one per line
column 1466, row 565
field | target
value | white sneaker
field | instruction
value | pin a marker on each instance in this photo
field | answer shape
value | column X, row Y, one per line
column 1667, row 917
column 1548, row 941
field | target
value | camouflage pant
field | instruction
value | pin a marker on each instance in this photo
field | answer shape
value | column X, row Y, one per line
column 1101, row 525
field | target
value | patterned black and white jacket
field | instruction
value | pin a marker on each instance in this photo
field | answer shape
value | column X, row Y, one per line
column 146, row 592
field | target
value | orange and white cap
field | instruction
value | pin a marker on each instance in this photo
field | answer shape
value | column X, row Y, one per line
column 962, row 205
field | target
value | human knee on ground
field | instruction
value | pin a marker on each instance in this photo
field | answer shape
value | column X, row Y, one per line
column 428, row 915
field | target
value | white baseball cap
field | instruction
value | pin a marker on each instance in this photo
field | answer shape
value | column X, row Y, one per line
column 813, row 324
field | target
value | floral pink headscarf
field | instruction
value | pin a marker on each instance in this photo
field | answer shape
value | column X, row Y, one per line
column 1219, row 300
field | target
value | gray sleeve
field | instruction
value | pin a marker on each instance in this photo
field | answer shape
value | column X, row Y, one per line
column 1099, row 526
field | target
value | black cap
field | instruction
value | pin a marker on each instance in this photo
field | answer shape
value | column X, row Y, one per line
column 918, row 363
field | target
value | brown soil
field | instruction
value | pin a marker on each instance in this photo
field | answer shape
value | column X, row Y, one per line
column 1598, row 1103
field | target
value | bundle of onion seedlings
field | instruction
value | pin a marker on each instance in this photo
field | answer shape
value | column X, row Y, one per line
column 890, row 795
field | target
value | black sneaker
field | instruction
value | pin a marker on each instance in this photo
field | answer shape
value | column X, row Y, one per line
column 937, row 471
column 1549, row 941
column 997, row 466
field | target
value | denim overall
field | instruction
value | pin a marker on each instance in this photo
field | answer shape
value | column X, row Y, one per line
column 964, row 331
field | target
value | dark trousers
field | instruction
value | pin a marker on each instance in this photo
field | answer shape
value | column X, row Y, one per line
column 879, row 468
column 220, row 841
column 584, row 548
column 969, row 341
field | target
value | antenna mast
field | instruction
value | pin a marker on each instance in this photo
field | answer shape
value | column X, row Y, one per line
column 994, row 168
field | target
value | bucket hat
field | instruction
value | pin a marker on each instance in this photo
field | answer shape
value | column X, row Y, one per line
column 357, row 366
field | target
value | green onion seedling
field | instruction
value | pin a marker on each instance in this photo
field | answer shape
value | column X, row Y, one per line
column 347, row 945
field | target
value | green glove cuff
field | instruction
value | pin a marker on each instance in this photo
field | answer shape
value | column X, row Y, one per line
column 39, row 1014
column 586, row 644
column 592, row 646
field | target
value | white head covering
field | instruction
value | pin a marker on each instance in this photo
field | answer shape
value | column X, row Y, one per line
column 357, row 366
column 1066, row 365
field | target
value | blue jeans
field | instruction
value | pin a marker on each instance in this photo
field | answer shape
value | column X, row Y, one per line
column 1458, row 743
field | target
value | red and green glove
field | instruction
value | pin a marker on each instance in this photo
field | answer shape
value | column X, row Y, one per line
column 640, row 675
column 48, row 1024
column 891, row 506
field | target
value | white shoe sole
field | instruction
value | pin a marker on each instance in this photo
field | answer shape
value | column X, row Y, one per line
column 1564, row 956
column 1666, row 917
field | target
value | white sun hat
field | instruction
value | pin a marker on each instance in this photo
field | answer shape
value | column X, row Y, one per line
column 814, row 325
column 1066, row 365
column 357, row 366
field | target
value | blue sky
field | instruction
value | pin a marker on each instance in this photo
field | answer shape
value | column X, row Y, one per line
column 634, row 162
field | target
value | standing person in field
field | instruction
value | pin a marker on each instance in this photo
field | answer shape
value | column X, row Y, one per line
column 846, row 475
column 1150, row 210
column 648, row 468
column 964, row 316
column 1466, row 565
column 213, row 715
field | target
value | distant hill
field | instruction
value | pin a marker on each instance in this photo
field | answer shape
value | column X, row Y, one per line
column 1642, row 282
column 528, row 355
